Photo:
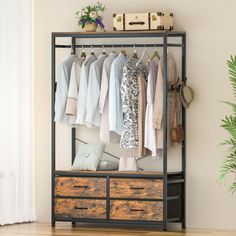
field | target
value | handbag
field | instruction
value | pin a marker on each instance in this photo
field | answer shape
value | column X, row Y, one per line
column 128, row 163
column 177, row 132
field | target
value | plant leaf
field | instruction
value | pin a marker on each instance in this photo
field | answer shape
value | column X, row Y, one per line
column 229, row 124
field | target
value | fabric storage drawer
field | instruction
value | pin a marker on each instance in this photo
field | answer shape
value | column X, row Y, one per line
column 80, row 208
column 80, row 187
column 136, row 210
column 136, row 188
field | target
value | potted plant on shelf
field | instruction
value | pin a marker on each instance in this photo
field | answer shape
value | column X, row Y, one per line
column 90, row 17
column 229, row 124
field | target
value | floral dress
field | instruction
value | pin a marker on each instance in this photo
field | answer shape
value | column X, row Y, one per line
column 129, row 98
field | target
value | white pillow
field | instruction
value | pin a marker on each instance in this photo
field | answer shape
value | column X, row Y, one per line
column 88, row 157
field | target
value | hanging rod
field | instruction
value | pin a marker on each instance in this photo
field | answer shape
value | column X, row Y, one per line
column 117, row 45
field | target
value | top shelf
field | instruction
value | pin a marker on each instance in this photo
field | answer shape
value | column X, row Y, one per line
column 119, row 34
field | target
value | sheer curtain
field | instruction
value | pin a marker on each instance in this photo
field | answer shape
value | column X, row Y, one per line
column 16, row 113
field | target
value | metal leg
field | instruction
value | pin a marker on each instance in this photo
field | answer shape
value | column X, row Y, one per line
column 53, row 223
column 184, row 142
column 165, row 114
column 73, row 131
column 108, row 197
column 53, row 130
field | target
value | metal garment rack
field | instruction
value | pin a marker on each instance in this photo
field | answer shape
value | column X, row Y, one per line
column 164, row 35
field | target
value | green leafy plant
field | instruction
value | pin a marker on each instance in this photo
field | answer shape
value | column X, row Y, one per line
column 91, row 14
column 229, row 124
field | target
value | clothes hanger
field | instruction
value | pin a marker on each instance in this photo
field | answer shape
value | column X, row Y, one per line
column 83, row 54
column 155, row 54
column 144, row 54
column 103, row 50
column 123, row 51
column 72, row 52
column 113, row 49
column 92, row 51
column 135, row 55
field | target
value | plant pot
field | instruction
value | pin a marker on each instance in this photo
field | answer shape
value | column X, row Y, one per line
column 90, row 27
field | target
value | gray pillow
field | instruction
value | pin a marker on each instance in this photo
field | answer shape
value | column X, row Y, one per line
column 108, row 165
column 88, row 157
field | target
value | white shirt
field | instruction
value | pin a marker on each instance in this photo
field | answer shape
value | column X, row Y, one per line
column 62, row 90
column 115, row 107
column 73, row 90
column 105, row 134
column 93, row 118
column 83, row 85
column 150, row 133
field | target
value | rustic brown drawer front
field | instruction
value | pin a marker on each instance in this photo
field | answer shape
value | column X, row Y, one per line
column 80, row 187
column 136, row 210
column 136, row 188
column 80, row 208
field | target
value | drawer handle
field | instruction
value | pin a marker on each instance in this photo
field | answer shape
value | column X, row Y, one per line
column 136, row 209
column 80, row 186
column 81, row 208
column 137, row 23
column 137, row 188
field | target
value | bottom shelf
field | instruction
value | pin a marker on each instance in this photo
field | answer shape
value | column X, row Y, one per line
column 119, row 222
column 117, row 197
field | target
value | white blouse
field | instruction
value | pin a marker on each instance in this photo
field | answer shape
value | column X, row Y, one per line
column 62, row 90
column 150, row 132
column 93, row 117
column 115, row 106
column 105, row 134
column 83, row 85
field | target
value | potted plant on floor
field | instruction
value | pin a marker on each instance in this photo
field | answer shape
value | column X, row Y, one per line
column 229, row 124
column 90, row 17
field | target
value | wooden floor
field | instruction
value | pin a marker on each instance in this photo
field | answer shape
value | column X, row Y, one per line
column 34, row 229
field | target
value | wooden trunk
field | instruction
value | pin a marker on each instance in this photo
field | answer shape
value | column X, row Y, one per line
column 143, row 21
column 80, row 208
column 136, row 188
column 136, row 210
column 80, row 187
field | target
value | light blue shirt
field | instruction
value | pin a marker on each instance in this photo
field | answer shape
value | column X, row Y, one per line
column 115, row 106
column 62, row 90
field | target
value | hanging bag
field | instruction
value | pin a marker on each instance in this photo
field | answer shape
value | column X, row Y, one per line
column 128, row 163
column 177, row 132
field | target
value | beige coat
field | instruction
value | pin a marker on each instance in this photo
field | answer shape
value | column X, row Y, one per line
column 142, row 103
column 158, row 102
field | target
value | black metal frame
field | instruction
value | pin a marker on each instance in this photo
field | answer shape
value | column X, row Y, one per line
column 167, row 179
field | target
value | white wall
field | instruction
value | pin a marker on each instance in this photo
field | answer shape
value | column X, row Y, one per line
column 211, row 39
